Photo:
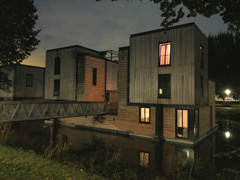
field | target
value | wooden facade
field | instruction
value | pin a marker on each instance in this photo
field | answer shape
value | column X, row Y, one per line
column 187, row 113
column 79, row 67
column 28, row 83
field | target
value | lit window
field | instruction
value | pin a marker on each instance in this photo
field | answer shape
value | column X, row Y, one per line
column 182, row 123
column 164, row 86
column 164, row 54
column 144, row 115
column 29, row 80
column 144, row 159
column 201, row 56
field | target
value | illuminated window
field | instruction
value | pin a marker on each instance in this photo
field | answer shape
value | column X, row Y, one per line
column 164, row 54
column 57, row 65
column 29, row 80
column 182, row 123
column 56, row 90
column 144, row 115
column 201, row 56
column 164, row 86
column 94, row 76
column 144, row 159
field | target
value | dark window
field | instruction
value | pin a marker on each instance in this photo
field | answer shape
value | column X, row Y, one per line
column 56, row 90
column 164, row 54
column 29, row 80
column 182, row 123
column 164, row 86
column 94, row 76
column 143, row 159
column 201, row 56
column 144, row 115
column 201, row 86
column 57, row 65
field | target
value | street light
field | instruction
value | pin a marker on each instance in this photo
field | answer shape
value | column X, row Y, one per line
column 227, row 91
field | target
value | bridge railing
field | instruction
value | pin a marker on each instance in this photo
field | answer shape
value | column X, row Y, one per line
column 30, row 110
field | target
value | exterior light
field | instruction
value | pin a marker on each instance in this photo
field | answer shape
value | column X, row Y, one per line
column 227, row 134
column 227, row 91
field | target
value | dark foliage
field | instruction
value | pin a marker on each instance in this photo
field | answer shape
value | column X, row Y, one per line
column 17, row 34
column 224, row 64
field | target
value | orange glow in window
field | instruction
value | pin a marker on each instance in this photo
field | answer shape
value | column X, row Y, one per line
column 164, row 54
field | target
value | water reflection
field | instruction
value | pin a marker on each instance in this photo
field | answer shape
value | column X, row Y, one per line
column 154, row 157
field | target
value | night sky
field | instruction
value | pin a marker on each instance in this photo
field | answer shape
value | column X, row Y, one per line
column 101, row 25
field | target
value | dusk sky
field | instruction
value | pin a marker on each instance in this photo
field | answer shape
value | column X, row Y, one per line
column 101, row 25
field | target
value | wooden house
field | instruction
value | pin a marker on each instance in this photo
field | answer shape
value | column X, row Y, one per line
column 80, row 74
column 28, row 83
column 163, row 85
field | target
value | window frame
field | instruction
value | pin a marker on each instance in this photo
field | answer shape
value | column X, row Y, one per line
column 165, row 65
column 54, row 90
column 202, row 86
column 29, row 80
column 176, row 121
column 145, row 152
column 140, row 119
column 94, row 76
column 164, row 95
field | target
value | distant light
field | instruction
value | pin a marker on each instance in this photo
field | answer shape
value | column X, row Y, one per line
column 227, row 134
column 227, row 91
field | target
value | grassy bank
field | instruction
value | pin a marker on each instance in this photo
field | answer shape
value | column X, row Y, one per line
column 22, row 165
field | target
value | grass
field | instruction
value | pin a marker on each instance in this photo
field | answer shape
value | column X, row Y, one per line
column 21, row 165
column 230, row 111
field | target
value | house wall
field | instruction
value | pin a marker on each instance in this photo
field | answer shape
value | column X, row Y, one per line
column 20, row 90
column 169, row 123
column 144, row 70
column 201, row 40
column 211, row 89
column 128, row 116
column 68, row 72
column 111, row 75
column 204, row 120
column 94, row 92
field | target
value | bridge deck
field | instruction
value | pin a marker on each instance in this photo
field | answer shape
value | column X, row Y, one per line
column 34, row 110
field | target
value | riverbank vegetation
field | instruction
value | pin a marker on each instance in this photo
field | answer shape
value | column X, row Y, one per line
column 22, row 165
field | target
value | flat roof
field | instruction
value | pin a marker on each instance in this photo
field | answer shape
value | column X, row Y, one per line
column 167, row 29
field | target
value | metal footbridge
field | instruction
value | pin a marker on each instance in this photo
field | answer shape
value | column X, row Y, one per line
column 36, row 110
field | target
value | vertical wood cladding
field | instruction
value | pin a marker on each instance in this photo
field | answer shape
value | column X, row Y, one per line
column 128, row 116
column 211, row 89
column 94, row 92
column 144, row 69
column 204, row 120
column 111, row 76
column 169, row 122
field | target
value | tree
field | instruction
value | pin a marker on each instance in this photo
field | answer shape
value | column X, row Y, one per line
column 173, row 11
column 18, row 38
column 224, row 62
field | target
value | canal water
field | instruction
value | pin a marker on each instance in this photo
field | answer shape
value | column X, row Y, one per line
column 153, row 157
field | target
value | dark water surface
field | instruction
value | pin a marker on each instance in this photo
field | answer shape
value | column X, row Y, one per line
column 151, row 156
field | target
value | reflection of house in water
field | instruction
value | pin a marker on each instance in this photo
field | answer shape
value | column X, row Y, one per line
column 139, row 152
column 163, row 86
column 28, row 83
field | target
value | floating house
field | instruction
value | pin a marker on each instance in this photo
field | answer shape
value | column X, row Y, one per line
column 162, row 84
column 78, row 73
column 28, row 83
